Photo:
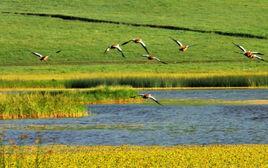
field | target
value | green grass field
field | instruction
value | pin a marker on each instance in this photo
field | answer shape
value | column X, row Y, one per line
column 236, row 16
column 83, row 43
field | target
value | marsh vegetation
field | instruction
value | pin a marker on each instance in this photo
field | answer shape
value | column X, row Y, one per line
column 58, row 104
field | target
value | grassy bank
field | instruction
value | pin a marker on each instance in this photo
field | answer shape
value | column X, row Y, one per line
column 55, row 104
column 136, row 156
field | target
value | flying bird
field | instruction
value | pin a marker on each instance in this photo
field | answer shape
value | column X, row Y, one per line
column 115, row 46
column 137, row 41
column 182, row 47
column 151, row 57
column 42, row 57
column 149, row 96
column 249, row 54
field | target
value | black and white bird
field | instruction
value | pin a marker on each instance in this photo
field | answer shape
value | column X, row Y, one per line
column 42, row 57
column 151, row 57
column 249, row 54
column 137, row 41
column 117, row 47
column 149, row 96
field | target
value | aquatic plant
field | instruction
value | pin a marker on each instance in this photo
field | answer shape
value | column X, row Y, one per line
column 142, row 156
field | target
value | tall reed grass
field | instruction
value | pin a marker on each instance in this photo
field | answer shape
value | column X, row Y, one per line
column 148, row 82
column 39, row 105
column 32, row 83
column 56, row 104
column 141, row 80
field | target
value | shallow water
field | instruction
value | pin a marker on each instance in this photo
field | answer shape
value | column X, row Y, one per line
column 139, row 124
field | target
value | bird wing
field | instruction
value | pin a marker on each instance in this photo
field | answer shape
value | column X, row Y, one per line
column 144, row 46
column 159, row 60
column 154, row 99
column 126, row 42
column 120, row 50
column 145, row 55
column 123, row 55
column 258, row 53
column 176, row 41
column 241, row 47
column 37, row 54
column 258, row 57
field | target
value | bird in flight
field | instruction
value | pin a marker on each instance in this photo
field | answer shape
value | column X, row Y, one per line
column 137, row 41
column 149, row 96
column 151, row 57
column 115, row 46
column 42, row 57
column 249, row 54
column 182, row 47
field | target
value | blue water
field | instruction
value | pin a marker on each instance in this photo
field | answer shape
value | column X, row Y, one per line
column 224, row 94
column 139, row 124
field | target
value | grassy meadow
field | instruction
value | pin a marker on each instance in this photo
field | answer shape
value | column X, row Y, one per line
column 83, row 43
column 237, row 16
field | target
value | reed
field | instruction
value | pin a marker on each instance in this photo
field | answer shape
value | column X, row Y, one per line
column 227, row 81
column 57, row 104
column 39, row 105
column 193, row 81
column 145, row 80
column 31, row 84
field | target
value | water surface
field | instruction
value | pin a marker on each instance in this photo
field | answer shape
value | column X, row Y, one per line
column 151, row 124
